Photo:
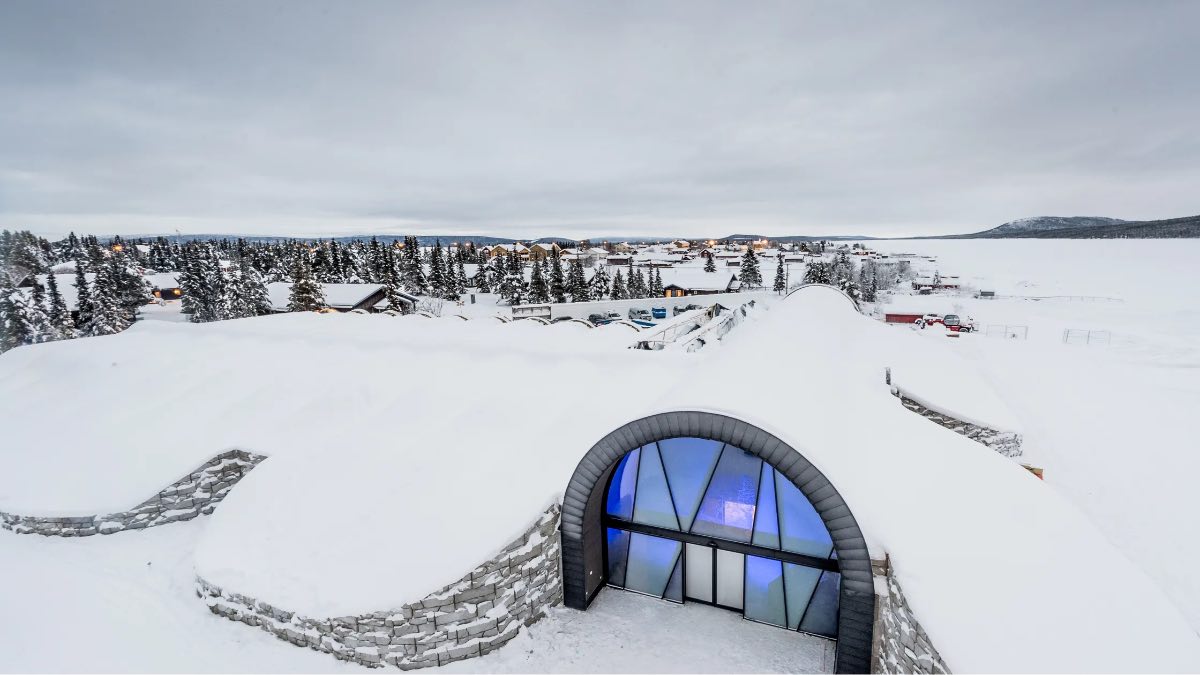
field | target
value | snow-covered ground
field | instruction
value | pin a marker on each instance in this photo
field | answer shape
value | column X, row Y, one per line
column 128, row 604
column 1108, row 423
column 1112, row 424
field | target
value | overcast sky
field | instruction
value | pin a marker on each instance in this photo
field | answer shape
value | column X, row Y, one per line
column 593, row 118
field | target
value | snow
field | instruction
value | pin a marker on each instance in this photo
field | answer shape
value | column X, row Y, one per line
column 126, row 603
column 403, row 451
column 624, row 632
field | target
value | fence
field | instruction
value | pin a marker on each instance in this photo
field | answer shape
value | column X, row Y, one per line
column 1008, row 332
column 1083, row 336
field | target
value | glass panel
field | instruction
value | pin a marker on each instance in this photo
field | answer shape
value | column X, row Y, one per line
column 800, row 582
column 821, row 617
column 653, row 504
column 727, row 510
column 801, row 528
column 618, row 550
column 766, row 518
column 675, row 585
column 620, row 490
column 651, row 561
column 689, row 463
column 730, row 577
column 699, row 563
column 764, row 590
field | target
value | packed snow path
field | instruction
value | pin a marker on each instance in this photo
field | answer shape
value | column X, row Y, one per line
column 128, row 604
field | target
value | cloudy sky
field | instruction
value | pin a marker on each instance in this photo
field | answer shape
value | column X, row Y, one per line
column 593, row 118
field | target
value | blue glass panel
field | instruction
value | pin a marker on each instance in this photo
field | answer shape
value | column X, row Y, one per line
column 675, row 585
column 766, row 518
column 821, row 617
column 801, row 528
column 764, row 590
column 800, row 582
column 651, row 561
column 620, row 490
column 618, row 551
column 689, row 463
column 727, row 510
column 653, row 505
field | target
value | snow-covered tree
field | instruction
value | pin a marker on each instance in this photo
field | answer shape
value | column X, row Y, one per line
column 868, row 280
column 818, row 272
column 38, row 317
column 750, row 276
column 619, row 291
column 558, row 286
column 600, row 284
column 710, row 264
column 483, row 281
column 577, row 285
column 539, row 291
column 656, row 284
column 437, row 272
column 306, row 294
column 248, row 293
column 14, row 322
column 780, row 280
column 57, row 312
column 108, row 315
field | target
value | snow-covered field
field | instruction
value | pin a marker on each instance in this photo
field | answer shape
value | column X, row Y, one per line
column 1112, row 424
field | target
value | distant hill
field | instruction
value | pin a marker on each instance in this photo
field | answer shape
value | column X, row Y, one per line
column 795, row 237
column 1049, row 223
column 1090, row 228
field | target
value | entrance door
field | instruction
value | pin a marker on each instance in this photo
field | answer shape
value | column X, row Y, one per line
column 731, row 569
column 698, row 571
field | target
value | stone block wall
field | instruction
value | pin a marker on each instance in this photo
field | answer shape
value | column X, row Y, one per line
column 470, row 617
column 901, row 645
column 197, row 493
column 1004, row 442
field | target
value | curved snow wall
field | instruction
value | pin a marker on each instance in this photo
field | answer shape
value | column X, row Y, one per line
column 901, row 645
column 470, row 617
column 1006, row 443
column 197, row 493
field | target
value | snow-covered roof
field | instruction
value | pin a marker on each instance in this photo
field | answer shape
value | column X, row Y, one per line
column 163, row 279
column 66, row 287
column 339, row 296
column 1003, row 573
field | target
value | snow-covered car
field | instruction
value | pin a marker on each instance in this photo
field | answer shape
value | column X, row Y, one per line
column 636, row 314
column 602, row 318
column 958, row 324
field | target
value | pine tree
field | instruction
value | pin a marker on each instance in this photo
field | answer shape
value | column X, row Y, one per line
column 558, row 288
column 780, row 281
column 868, row 280
column 750, row 276
column 619, row 292
column 818, row 272
column 57, row 312
column 248, row 294
column 40, row 329
column 306, row 294
column 85, row 306
column 483, row 281
column 600, row 284
column 539, row 291
column 637, row 283
column 656, row 284
column 414, row 280
column 577, row 285
column 391, row 293
column 14, row 323
column 108, row 315
column 437, row 272
column 709, row 264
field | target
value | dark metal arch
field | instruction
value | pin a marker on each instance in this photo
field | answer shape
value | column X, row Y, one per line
column 583, row 507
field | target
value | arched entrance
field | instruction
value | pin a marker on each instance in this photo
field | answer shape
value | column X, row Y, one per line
column 703, row 507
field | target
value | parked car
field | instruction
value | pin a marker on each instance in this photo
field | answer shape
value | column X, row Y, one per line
column 603, row 318
column 688, row 308
column 659, row 312
column 958, row 324
column 640, row 315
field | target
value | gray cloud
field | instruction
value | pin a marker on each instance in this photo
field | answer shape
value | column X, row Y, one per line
column 593, row 119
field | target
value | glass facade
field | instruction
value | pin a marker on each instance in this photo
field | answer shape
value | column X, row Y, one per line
column 724, row 494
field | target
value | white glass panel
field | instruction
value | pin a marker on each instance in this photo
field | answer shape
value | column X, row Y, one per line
column 699, row 572
column 730, row 568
